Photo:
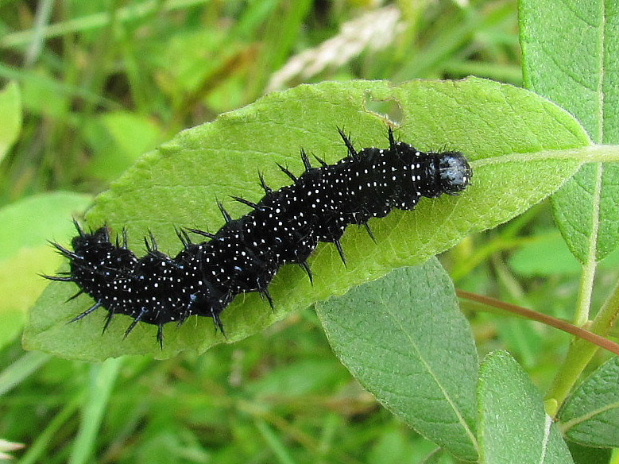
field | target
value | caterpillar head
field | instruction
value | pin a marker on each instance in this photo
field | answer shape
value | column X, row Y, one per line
column 453, row 172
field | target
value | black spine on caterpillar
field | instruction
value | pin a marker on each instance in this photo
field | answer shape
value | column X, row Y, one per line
column 284, row 227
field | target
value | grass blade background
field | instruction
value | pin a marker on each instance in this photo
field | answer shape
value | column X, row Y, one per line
column 10, row 117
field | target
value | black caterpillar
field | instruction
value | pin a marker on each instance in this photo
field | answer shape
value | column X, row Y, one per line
column 284, row 227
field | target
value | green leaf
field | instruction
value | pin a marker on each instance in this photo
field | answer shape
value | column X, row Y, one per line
column 586, row 455
column 10, row 117
column 576, row 66
column 587, row 211
column 438, row 456
column 513, row 136
column 29, row 230
column 513, row 425
column 591, row 414
column 118, row 139
column 546, row 254
column 25, row 253
column 392, row 444
column 405, row 339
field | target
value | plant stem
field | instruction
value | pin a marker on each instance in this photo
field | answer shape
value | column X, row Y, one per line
column 560, row 324
column 586, row 289
column 581, row 352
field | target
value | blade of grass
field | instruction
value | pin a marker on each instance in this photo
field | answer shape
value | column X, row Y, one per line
column 95, row 21
column 102, row 382
column 21, row 369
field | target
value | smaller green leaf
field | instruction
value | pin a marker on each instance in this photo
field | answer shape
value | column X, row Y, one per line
column 393, row 445
column 35, row 220
column 10, row 117
column 587, row 455
column 306, row 377
column 118, row 139
column 25, row 252
column 587, row 211
column 513, row 427
column 547, row 254
column 438, row 456
column 591, row 414
column 404, row 338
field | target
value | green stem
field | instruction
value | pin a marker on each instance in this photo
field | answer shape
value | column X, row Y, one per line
column 585, row 291
column 590, row 266
column 581, row 352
